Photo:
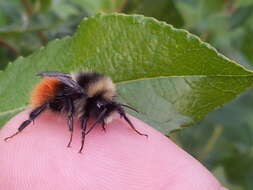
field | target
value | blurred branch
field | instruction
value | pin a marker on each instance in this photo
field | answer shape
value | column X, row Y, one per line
column 42, row 37
column 29, row 11
column 204, row 36
column 211, row 142
column 230, row 5
column 240, row 16
column 17, row 31
column 28, row 7
column 122, row 6
column 8, row 46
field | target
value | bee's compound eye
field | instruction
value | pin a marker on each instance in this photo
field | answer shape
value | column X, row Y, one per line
column 99, row 105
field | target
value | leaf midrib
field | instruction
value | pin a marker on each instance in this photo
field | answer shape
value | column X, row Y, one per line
column 182, row 76
column 12, row 110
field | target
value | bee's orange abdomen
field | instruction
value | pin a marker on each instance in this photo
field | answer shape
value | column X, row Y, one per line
column 44, row 91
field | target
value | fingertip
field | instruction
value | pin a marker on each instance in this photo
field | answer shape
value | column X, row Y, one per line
column 134, row 161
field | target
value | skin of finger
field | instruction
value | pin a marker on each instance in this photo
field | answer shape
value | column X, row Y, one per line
column 116, row 159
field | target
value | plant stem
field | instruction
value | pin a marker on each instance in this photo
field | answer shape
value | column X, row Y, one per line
column 28, row 7
column 122, row 6
column 29, row 11
column 211, row 142
column 8, row 46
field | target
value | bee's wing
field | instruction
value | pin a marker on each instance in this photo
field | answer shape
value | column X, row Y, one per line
column 53, row 74
column 64, row 78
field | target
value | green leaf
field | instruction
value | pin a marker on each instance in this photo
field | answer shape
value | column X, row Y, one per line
column 247, row 44
column 240, row 16
column 207, row 7
column 2, row 19
column 219, row 173
column 172, row 77
column 45, row 4
column 244, row 2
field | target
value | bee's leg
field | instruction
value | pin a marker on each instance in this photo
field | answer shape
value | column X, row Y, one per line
column 70, row 119
column 123, row 114
column 103, row 126
column 34, row 113
column 84, row 122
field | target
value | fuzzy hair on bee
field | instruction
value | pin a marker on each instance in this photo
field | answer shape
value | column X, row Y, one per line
column 87, row 95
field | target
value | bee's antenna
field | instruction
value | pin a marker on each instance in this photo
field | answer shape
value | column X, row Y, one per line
column 99, row 118
column 130, row 107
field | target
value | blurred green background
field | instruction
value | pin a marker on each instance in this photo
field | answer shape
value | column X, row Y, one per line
column 223, row 141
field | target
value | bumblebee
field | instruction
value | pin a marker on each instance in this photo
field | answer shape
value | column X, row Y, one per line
column 88, row 95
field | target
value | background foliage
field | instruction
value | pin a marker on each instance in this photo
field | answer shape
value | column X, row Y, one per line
column 223, row 141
